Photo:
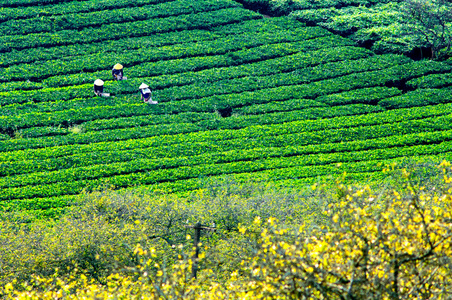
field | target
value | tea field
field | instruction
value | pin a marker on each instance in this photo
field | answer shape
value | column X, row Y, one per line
column 240, row 97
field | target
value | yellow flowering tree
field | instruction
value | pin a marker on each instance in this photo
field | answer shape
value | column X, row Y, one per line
column 389, row 246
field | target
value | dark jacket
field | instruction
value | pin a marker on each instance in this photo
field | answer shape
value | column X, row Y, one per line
column 98, row 89
column 145, row 93
column 117, row 73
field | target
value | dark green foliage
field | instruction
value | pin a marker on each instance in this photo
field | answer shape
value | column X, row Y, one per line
column 417, row 28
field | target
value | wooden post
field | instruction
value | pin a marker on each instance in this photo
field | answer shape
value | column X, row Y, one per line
column 194, row 269
column 198, row 227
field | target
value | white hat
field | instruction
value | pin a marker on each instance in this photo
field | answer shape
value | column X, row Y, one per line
column 98, row 82
column 143, row 86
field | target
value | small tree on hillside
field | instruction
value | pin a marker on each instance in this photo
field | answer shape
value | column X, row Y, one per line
column 430, row 22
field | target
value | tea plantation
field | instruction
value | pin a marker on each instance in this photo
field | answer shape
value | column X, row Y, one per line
column 240, row 97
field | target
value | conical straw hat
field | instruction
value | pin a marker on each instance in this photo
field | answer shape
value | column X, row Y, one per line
column 98, row 82
column 118, row 67
column 143, row 86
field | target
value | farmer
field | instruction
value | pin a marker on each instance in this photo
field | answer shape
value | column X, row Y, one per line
column 146, row 94
column 98, row 87
column 117, row 72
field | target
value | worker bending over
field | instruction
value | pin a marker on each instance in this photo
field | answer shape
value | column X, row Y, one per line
column 117, row 72
column 146, row 94
column 98, row 87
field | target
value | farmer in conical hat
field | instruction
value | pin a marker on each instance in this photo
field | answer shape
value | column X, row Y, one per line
column 146, row 94
column 98, row 87
column 117, row 72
